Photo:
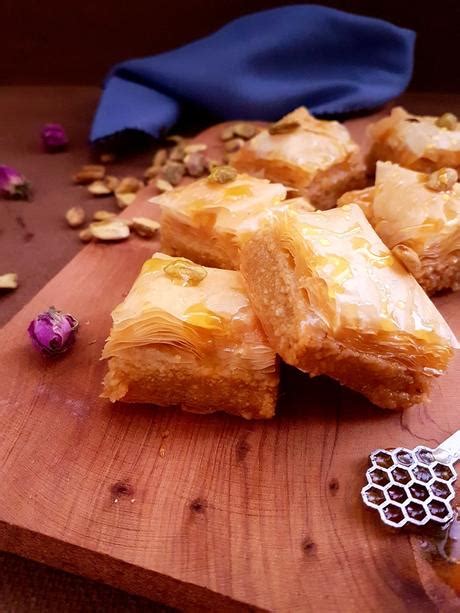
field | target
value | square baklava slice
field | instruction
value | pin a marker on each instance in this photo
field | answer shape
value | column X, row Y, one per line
column 333, row 300
column 420, row 142
column 187, row 335
column 316, row 157
column 417, row 216
column 207, row 220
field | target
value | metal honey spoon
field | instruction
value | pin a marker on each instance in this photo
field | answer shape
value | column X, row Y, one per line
column 413, row 486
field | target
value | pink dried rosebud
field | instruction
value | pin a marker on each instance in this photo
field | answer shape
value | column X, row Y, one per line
column 13, row 184
column 53, row 332
column 54, row 138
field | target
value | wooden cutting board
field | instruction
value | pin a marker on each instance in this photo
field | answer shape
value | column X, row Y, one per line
column 203, row 512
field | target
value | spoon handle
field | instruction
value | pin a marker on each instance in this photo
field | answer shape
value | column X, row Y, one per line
column 449, row 451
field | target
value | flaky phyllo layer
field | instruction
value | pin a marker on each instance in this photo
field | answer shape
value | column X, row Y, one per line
column 235, row 208
column 359, row 294
column 192, row 312
column 414, row 141
column 405, row 212
column 314, row 145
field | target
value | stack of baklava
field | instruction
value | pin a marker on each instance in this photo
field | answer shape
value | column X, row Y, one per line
column 333, row 280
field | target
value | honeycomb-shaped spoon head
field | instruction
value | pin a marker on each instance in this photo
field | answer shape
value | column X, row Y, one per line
column 409, row 487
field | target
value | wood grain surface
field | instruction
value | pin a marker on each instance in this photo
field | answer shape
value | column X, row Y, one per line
column 233, row 515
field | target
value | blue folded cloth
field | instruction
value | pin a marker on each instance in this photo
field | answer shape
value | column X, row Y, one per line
column 262, row 66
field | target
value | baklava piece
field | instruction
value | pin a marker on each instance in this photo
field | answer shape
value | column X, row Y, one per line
column 424, row 143
column 418, row 217
column 187, row 335
column 333, row 300
column 207, row 220
column 317, row 157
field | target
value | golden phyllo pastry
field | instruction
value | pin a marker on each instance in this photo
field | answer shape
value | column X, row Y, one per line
column 333, row 300
column 187, row 335
column 317, row 157
column 418, row 217
column 424, row 143
column 208, row 219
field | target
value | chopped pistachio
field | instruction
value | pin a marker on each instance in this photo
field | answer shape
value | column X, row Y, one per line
column 145, row 227
column 408, row 257
column 222, row 174
column 173, row 172
column 75, row 216
column 103, row 215
column 233, row 145
column 160, row 157
column 175, row 138
column 195, row 148
column 211, row 164
column 107, row 158
column 448, row 121
column 177, row 153
column 112, row 182
column 195, row 164
column 85, row 235
column 124, row 200
column 9, row 280
column 99, row 188
column 283, row 126
column 442, row 180
column 129, row 185
column 89, row 173
column 245, row 130
column 227, row 133
column 186, row 271
column 163, row 186
column 110, row 230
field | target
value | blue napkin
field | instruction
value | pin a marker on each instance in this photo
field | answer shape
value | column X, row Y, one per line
column 262, row 66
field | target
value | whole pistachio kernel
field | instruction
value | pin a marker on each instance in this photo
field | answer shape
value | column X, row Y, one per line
column 283, row 126
column 442, row 180
column 222, row 174
column 185, row 272
column 448, row 121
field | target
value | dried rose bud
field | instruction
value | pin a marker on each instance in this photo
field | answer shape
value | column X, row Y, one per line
column 53, row 332
column 54, row 138
column 13, row 185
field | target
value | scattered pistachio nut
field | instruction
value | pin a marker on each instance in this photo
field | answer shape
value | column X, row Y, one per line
column 175, row 138
column 195, row 164
column 173, row 172
column 124, row 200
column 163, row 185
column 177, row 153
column 244, row 130
column 89, row 173
column 227, row 133
column 186, row 271
column 233, row 145
column 110, row 230
column 448, row 121
column 211, row 164
column 85, row 235
column 195, row 148
column 9, row 280
column 129, row 185
column 107, row 158
column 75, row 216
column 103, row 215
column 160, row 157
column 283, row 126
column 152, row 171
column 112, row 182
column 222, row 174
column 145, row 227
column 99, row 188
column 408, row 257
column 442, row 180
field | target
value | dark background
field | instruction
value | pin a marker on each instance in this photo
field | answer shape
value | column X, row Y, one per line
column 68, row 42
